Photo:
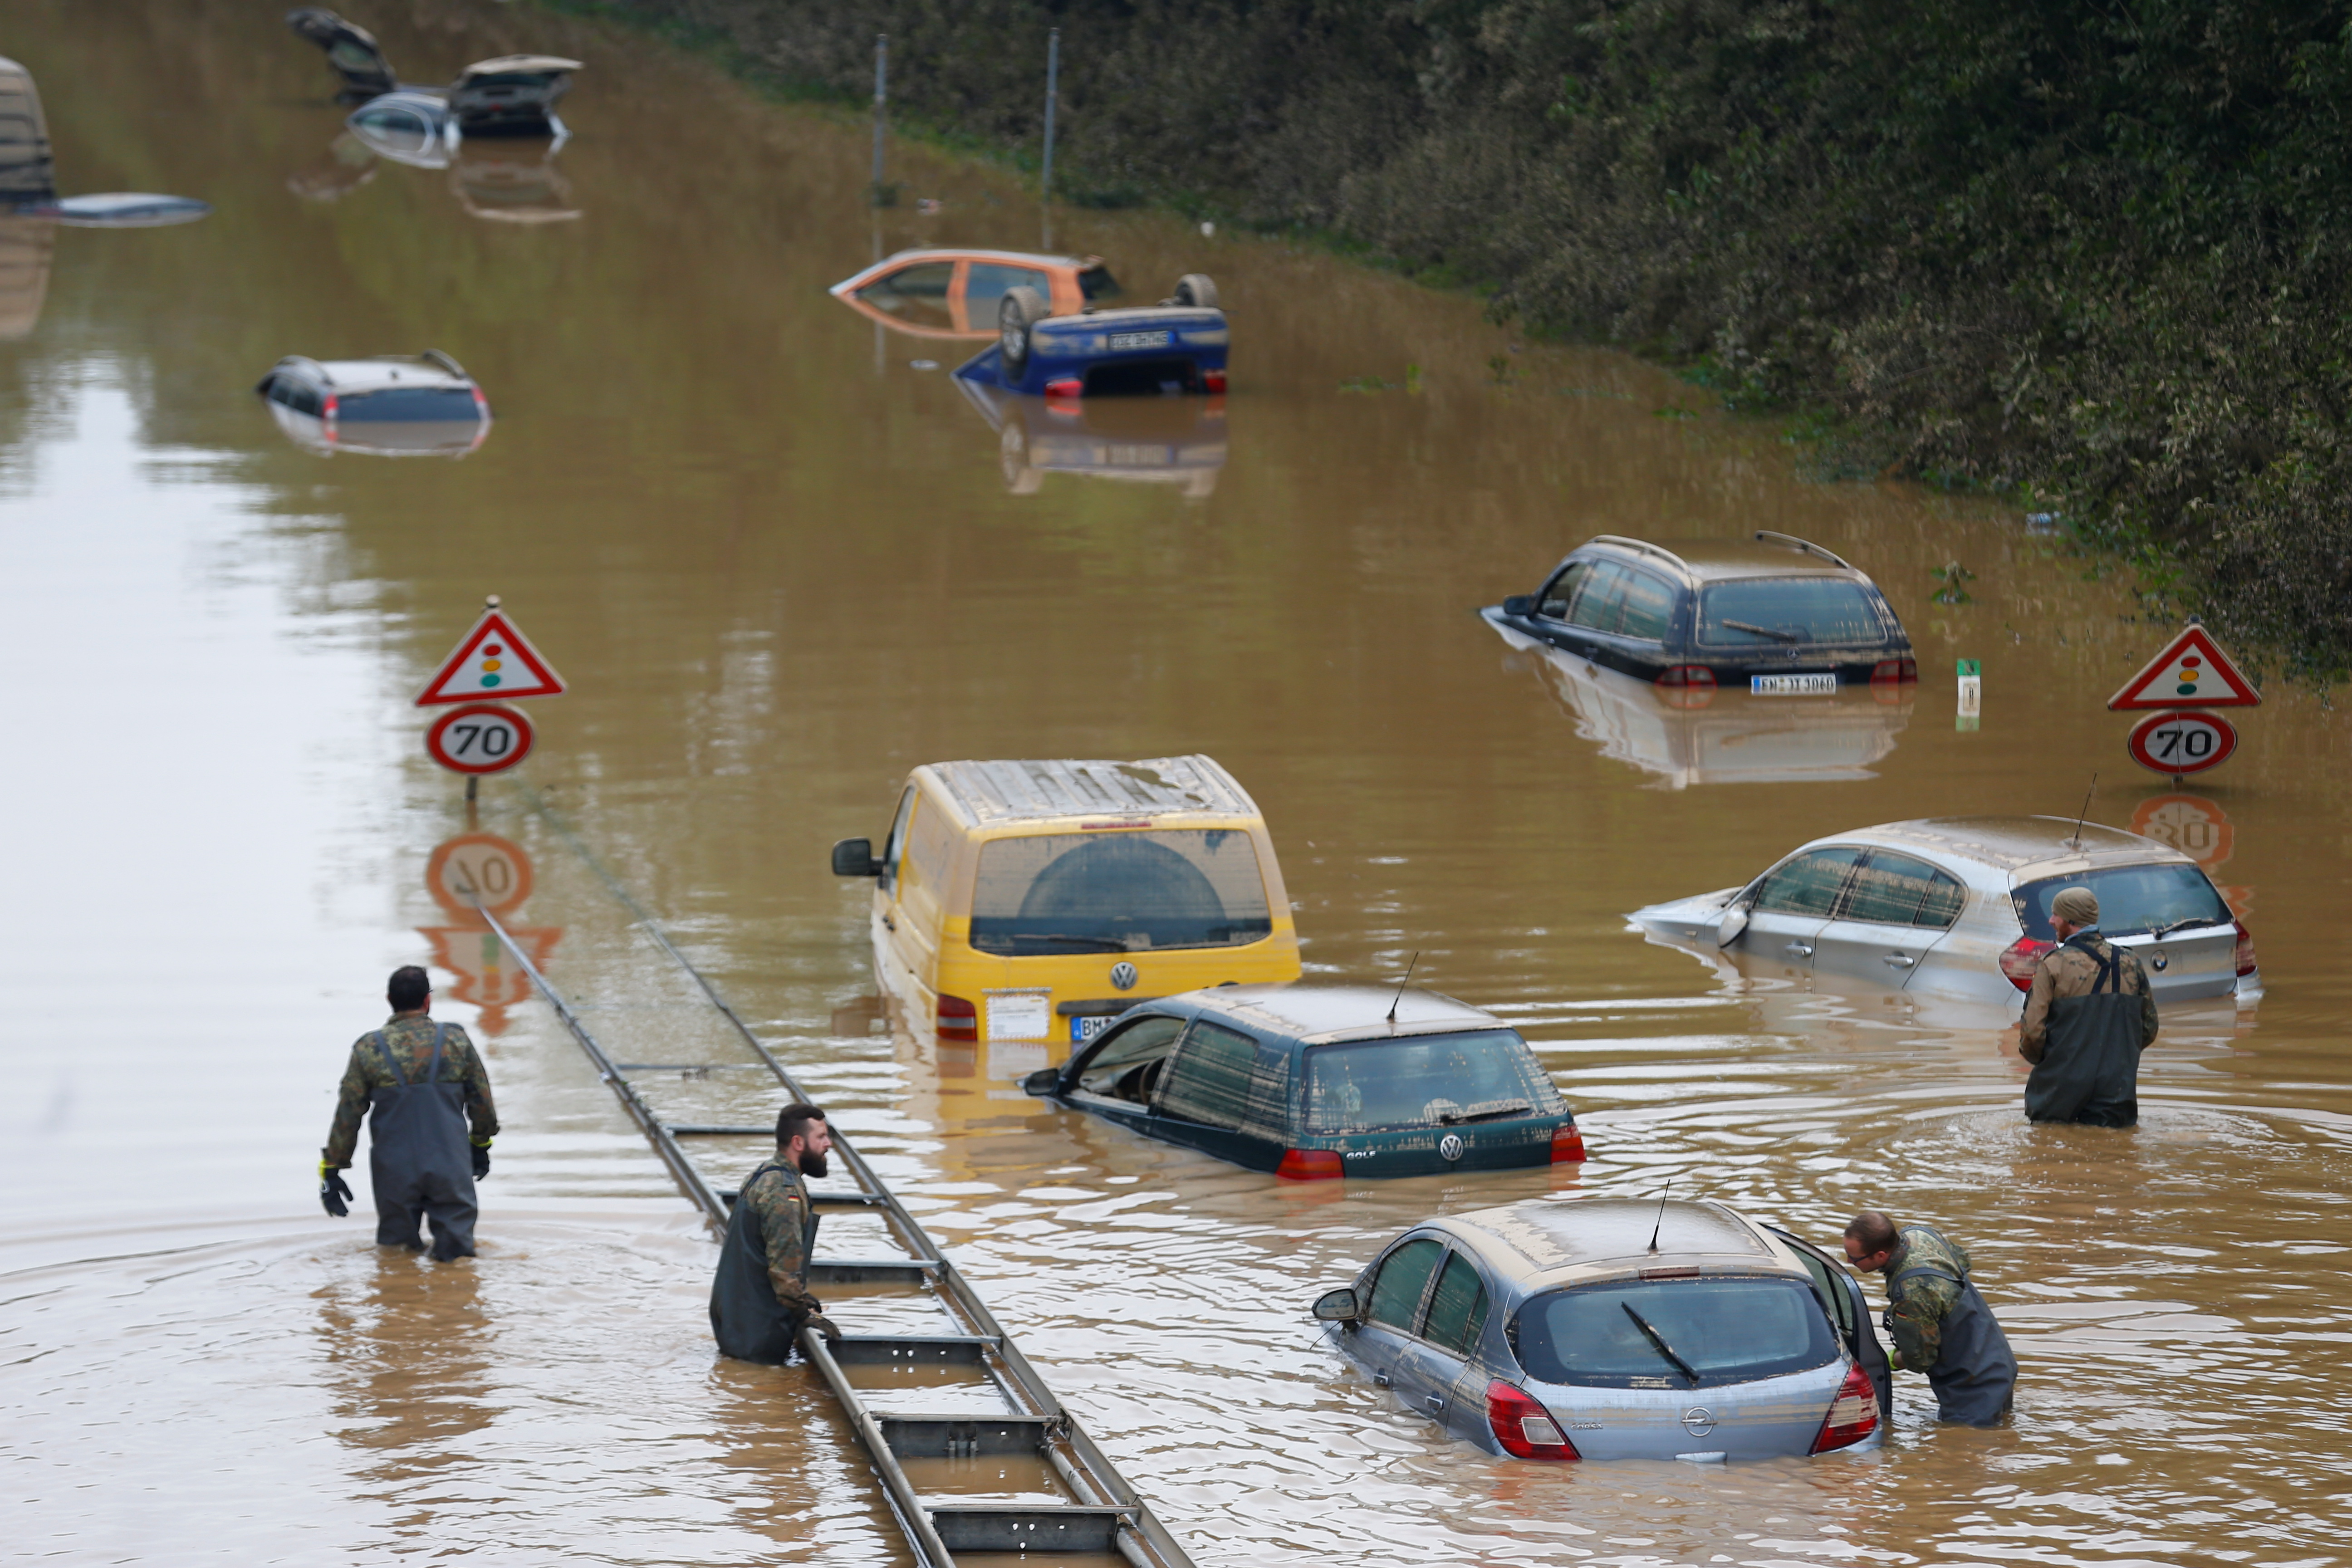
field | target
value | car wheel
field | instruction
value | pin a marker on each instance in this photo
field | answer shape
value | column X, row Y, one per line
column 1020, row 310
column 1012, row 447
column 1196, row 290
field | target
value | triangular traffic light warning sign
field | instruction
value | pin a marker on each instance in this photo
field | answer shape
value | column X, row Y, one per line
column 491, row 660
column 2191, row 673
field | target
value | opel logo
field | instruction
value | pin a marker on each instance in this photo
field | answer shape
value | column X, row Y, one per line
column 1450, row 1146
column 1698, row 1421
column 1122, row 976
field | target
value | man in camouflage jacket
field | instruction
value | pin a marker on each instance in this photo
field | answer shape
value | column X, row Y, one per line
column 2087, row 1018
column 759, row 1299
column 1938, row 1322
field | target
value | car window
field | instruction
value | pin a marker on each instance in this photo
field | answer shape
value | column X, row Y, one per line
column 1123, row 1063
column 1560, row 592
column 2132, row 898
column 1429, row 1080
column 1808, row 885
column 1269, row 1102
column 1119, row 892
column 1397, row 1288
column 1726, row 1330
column 1598, row 597
column 1209, row 1080
column 1646, row 607
column 930, row 850
column 1787, row 612
column 1896, row 889
column 1097, row 283
column 917, row 295
column 986, row 283
column 896, row 842
column 1457, row 1312
column 1828, row 1285
column 445, row 405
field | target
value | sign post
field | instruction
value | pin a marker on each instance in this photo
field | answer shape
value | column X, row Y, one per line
column 2190, row 675
column 1971, row 676
column 492, row 665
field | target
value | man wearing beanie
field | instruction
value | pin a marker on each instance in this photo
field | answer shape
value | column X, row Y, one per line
column 2087, row 1018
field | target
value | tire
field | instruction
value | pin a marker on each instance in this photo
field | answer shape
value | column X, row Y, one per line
column 1196, row 290
column 1020, row 310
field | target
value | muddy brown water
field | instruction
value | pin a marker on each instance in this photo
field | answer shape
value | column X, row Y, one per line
column 781, row 564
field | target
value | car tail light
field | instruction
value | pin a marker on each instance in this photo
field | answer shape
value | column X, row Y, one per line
column 1567, row 1146
column 2021, row 958
column 1894, row 670
column 959, row 1019
column 1212, row 381
column 2246, row 964
column 1309, row 1165
column 481, row 404
column 1523, row 1426
column 333, row 402
column 1687, row 675
column 1066, row 386
column 1854, row 1414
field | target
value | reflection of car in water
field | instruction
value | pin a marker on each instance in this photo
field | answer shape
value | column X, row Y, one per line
column 1037, row 901
column 1774, row 614
column 1313, row 1081
column 390, row 405
column 937, row 292
column 513, row 95
column 1618, row 1329
column 1960, row 907
column 495, row 180
column 1177, row 346
column 1700, row 735
column 1167, row 441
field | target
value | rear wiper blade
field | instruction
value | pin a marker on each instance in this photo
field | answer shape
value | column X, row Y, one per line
column 1659, row 1340
column 1099, row 943
column 2165, row 930
column 1456, row 1119
column 1776, row 636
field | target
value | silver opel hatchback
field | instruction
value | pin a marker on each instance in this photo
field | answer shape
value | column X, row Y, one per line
column 1618, row 1329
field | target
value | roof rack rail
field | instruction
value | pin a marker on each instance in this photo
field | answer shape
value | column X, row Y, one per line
column 1644, row 545
column 435, row 356
column 1802, row 546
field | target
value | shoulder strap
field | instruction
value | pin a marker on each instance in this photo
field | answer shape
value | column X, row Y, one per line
column 440, row 1035
column 1922, row 1268
column 391, row 1062
column 2110, row 964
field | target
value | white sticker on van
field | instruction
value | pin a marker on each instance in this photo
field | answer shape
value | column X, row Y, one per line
column 1023, row 1015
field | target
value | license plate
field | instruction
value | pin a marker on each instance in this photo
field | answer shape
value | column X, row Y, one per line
column 1085, row 1029
column 1157, row 340
column 1824, row 685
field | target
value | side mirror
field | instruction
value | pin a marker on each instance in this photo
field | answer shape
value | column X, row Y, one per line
column 1519, row 605
column 1733, row 922
column 855, row 857
column 1044, row 1080
column 1339, row 1306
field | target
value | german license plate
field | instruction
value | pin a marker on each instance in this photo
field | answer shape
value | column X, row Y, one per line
column 1823, row 685
column 1085, row 1029
column 1157, row 340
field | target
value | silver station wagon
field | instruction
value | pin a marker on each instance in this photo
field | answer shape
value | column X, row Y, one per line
column 1960, row 907
column 1618, row 1329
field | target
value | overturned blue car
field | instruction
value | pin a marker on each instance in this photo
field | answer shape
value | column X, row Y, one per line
column 1175, row 347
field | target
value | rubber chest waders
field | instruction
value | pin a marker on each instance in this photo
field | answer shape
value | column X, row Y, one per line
column 746, row 1318
column 2089, row 1070
column 418, row 1158
column 1975, row 1375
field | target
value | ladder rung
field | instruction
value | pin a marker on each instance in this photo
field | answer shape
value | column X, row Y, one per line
column 911, row 1350
column 847, row 1200
column 861, row 1270
column 1045, row 1528
column 694, row 1130
column 962, row 1436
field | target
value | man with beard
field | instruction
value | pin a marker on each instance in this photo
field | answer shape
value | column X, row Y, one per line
column 759, row 1299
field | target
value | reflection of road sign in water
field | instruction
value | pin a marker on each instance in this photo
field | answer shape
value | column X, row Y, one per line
column 479, row 870
column 491, row 660
column 479, row 738
column 485, row 978
column 1971, row 676
column 2179, row 743
column 2190, row 824
column 2191, row 673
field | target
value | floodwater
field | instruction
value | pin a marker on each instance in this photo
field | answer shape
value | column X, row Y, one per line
column 781, row 563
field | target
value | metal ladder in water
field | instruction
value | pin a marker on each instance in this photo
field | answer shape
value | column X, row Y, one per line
column 1107, row 1517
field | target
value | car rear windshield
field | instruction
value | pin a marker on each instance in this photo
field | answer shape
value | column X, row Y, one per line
column 1724, row 1329
column 446, row 403
column 2132, row 898
column 1434, row 1080
column 1787, row 612
column 1119, row 892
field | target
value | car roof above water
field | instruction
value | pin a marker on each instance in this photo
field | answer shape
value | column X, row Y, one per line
column 1003, row 794
column 381, row 371
column 1318, row 1014
column 1766, row 554
column 2026, row 847
column 1542, row 1243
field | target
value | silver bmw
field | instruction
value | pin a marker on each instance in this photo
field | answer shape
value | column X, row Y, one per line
column 1617, row 1329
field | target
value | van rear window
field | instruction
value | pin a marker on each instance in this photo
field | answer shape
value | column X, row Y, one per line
column 1119, row 892
column 446, row 403
column 1431, row 1080
column 1097, row 283
column 2132, row 898
column 1787, row 612
column 1724, row 1330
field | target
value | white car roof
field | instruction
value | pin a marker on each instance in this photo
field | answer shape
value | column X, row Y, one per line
column 991, row 793
column 1544, row 1243
column 2026, row 849
column 390, row 370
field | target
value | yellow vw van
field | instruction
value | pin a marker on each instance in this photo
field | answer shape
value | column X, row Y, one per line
column 1035, row 901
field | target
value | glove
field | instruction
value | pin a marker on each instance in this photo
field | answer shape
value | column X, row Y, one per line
column 481, row 1161
column 334, row 1192
column 826, row 1326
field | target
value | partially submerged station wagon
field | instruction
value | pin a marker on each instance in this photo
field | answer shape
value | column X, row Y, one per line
column 1037, row 901
column 1313, row 1081
column 1618, row 1329
column 940, row 293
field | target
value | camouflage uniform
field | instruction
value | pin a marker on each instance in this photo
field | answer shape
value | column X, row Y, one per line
column 1916, row 1322
column 779, row 1205
column 410, row 1035
column 1941, row 1326
column 2087, row 1018
column 758, row 1296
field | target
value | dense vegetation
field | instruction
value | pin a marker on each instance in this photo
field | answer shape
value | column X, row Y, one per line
column 2097, row 252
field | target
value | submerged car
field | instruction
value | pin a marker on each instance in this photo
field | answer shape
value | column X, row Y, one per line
column 1618, row 1329
column 940, row 293
column 392, row 406
column 1960, row 906
column 28, row 173
column 1312, row 1081
column 1160, row 441
column 1774, row 614
column 1177, row 346
column 512, row 95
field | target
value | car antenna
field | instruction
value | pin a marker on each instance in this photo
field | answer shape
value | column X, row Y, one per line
column 2076, row 842
column 1661, row 1215
column 1400, row 985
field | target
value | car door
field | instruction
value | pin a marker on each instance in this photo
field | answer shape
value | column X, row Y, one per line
column 1792, row 902
column 1434, row 1362
column 914, row 296
column 1841, row 1296
column 1555, row 599
column 1627, row 628
column 1894, row 910
column 1204, row 1096
column 1116, row 1075
column 1400, row 1284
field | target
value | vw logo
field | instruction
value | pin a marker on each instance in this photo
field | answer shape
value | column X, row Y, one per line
column 1450, row 1146
column 1698, row 1421
column 1122, row 976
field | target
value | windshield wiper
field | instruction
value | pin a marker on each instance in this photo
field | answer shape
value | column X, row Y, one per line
column 1659, row 1340
column 1098, row 943
column 1456, row 1119
column 1763, row 631
column 2160, row 933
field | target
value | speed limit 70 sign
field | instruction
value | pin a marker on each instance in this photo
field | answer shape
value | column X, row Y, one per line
column 2181, row 743
column 479, row 738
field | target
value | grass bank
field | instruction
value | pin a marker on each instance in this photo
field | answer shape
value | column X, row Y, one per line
column 2090, row 254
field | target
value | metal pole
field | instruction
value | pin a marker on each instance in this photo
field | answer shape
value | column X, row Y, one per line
column 881, row 96
column 1052, row 91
